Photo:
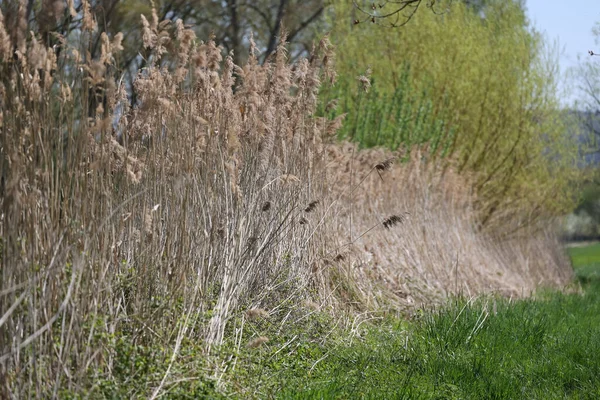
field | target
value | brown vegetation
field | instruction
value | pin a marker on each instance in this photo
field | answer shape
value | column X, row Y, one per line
column 218, row 191
column 428, row 245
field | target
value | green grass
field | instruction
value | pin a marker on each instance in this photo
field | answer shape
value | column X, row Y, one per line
column 546, row 347
column 542, row 348
column 492, row 348
column 586, row 262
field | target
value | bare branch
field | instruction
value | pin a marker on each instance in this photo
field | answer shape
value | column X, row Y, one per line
column 305, row 23
column 399, row 6
column 266, row 18
column 275, row 30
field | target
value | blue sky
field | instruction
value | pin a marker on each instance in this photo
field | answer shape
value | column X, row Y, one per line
column 569, row 21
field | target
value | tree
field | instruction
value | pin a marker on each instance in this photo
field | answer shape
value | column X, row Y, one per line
column 587, row 76
column 485, row 75
column 394, row 13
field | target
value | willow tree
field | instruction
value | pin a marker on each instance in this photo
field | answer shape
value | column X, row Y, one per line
column 486, row 74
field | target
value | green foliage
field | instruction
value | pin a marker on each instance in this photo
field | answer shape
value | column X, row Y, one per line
column 298, row 338
column 583, row 256
column 401, row 118
column 485, row 79
column 589, row 201
column 136, row 364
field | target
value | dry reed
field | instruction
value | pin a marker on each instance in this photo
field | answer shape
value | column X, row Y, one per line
column 148, row 217
column 429, row 246
column 172, row 214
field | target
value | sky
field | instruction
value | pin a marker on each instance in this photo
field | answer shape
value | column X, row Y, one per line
column 571, row 22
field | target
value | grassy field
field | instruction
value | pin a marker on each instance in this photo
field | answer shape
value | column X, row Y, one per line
column 540, row 348
column 486, row 349
column 489, row 348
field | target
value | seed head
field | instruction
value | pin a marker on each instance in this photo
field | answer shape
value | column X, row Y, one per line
column 385, row 165
column 311, row 206
column 393, row 220
column 256, row 313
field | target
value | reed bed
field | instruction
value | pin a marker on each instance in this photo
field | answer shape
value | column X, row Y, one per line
column 423, row 243
column 216, row 192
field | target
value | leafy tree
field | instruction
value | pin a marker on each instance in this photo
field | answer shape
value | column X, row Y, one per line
column 489, row 81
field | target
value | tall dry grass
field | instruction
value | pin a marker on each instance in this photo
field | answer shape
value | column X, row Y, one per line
column 218, row 191
column 435, row 248
column 164, row 217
